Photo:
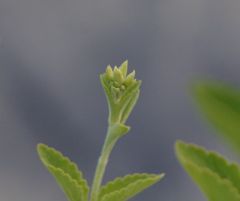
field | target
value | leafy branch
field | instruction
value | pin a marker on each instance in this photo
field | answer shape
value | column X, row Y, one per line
column 122, row 91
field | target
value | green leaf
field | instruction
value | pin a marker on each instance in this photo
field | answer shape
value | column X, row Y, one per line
column 220, row 104
column 116, row 132
column 217, row 179
column 65, row 172
column 122, row 189
column 129, row 106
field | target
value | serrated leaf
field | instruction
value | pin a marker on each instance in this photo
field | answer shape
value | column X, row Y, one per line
column 66, row 173
column 217, row 179
column 122, row 189
column 220, row 103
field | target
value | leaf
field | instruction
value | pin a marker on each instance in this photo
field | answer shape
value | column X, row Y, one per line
column 218, row 179
column 220, row 104
column 122, row 189
column 65, row 172
column 129, row 106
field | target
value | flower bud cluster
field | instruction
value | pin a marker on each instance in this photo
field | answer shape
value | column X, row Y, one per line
column 122, row 91
column 118, row 80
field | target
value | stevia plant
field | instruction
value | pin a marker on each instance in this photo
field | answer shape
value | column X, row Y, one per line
column 122, row 92
column 217, row 178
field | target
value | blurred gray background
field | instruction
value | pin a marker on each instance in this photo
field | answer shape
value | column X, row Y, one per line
column 51, row 53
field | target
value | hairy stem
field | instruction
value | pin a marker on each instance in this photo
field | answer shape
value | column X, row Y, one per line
column 115, row 131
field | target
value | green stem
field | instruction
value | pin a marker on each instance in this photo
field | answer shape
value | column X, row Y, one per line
column 115, row 131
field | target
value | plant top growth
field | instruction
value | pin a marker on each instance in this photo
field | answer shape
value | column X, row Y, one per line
column 122, row 92
column 217, row 178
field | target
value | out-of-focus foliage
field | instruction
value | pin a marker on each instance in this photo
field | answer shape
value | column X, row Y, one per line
column 220, row 103
column 217, row 179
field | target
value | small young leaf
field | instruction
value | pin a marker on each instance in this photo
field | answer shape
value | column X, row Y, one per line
column 129, row 106
column 122, row 189
column 218, row 179
column 65, row 172
column 221, row 105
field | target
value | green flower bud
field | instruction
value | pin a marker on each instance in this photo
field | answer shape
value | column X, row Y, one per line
column 124, row 68
column 121, row 90
column 130, row 78
column 109, row 72
column 118, row 76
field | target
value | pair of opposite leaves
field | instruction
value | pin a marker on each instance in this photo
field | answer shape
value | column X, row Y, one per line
column 76, row 188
